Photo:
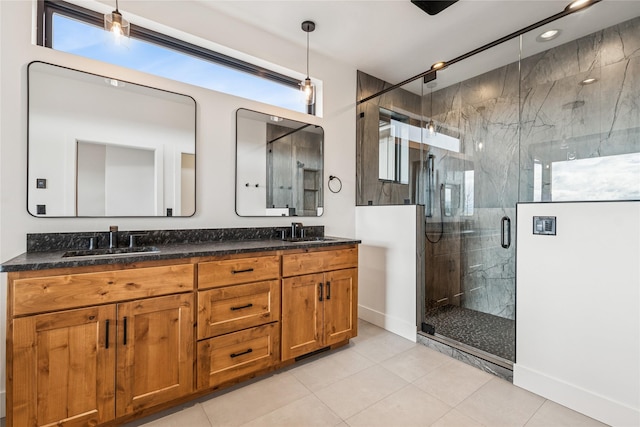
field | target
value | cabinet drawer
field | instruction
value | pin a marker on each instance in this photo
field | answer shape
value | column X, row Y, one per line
column 230, row 356
column 242, row 270
column 228, row 309
column 315, row 262
column 40, row 294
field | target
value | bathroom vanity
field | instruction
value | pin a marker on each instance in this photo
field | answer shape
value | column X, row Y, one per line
column 100, row 340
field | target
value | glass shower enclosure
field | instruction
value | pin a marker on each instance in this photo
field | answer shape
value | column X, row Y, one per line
column 528, row 120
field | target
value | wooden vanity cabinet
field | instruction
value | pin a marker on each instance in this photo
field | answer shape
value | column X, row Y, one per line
column 319, row 300
column 89, row 365
column 101, row 345
column 238, row 318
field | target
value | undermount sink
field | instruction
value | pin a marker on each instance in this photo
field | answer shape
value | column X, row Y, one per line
column 308, row 239
column 111, row 251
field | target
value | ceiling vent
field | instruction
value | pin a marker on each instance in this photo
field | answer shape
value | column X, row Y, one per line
column 433, row 7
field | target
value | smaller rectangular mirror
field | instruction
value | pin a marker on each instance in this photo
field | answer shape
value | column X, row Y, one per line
column 279, row 166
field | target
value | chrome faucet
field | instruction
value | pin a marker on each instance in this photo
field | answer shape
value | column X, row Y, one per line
column 297, row 230
column 113, row 236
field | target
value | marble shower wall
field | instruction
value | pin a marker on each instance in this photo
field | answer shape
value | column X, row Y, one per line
column 370, row 190
column 562, row 119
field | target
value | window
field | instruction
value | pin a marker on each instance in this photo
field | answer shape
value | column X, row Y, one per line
column 76, row 30
column 597, row 178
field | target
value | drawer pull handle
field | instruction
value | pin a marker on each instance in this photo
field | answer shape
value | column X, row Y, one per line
column 241, row 307
column 328, row 285
column 106, row 334
column 320, row 290
column 124, row 333
column 248, row 270
column 247, row 351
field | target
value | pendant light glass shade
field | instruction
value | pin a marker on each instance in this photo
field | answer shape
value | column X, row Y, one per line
column 116, row 24
column 306, row 86
column 431, row 127
column 309, row 90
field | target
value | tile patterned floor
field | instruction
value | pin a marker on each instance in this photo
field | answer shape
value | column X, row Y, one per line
column 379, row 379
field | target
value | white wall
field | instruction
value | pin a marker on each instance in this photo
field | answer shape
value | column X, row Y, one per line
column 578, row 308
column 387, row 266
column 215, row 133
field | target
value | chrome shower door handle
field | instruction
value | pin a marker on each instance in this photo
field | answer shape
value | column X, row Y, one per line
column 505, row 223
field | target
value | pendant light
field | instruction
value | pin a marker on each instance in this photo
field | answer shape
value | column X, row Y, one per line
column 307, row 86
column 115, row 23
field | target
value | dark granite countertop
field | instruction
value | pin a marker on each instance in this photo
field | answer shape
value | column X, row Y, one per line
column 54, row 259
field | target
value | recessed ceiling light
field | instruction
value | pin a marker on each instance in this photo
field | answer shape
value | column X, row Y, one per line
column 588, row 81
column 579, row 4
column 275, row 118
column 548, row 35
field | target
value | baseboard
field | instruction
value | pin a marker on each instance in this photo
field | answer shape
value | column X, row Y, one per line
column 390, row 323
column 584, row 401
column 3, row 404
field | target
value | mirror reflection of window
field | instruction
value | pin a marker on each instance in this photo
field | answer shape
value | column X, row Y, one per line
column 393, row 152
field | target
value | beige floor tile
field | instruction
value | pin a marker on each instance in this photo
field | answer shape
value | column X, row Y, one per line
column 455, row 418
column 407, row 407
column 192, row 416
column 383, row 347
column 308, row 411
column 331, row 368
column 254, row 400
column 367, row 331
column 351, row 395
column 415, row 362
column 552, row 414
column 453, row 381
column 500, row 403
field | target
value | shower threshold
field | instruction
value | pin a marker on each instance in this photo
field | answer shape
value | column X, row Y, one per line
column 483, row 335
column 472, row 351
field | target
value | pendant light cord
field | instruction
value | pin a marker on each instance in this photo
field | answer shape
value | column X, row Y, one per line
column 307, row 53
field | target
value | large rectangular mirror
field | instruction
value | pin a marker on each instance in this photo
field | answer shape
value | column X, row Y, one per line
column 279, row 166
column 101, row 147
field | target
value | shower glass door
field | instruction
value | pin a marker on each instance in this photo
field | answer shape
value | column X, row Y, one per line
column 471, row 161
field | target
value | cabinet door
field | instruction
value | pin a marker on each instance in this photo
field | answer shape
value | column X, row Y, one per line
column 63, row 367
column 340, row 305
column 155, row 352
column 301, row 315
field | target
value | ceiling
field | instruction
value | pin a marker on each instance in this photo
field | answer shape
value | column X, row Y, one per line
column 395, row 40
